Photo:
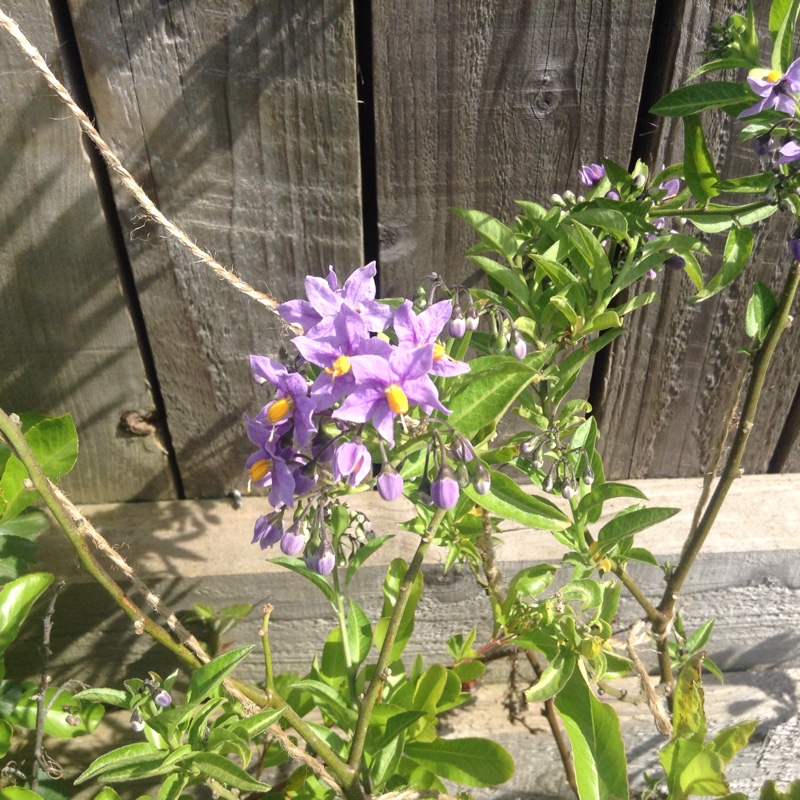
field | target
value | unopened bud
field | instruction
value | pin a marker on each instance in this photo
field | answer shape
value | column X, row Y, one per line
column 549, row 480
column 482, row 481
column 462, row 475
column 588, row 476
column 472, row 318
column 518, row 347
column 567, row 490
column 458, row 325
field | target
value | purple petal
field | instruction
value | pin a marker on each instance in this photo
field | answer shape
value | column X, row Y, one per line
column 323, row 299
column 299, row 312
column 266, row 370
column 360, row 286
column 333, row 281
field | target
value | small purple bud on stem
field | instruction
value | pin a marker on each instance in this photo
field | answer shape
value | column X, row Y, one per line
column 161, row 697
column 675, row 262
column 324, row 560
column 458, row 325
column 390, row 483
column 472, row 318
column 518, row 347
column 137, row 723
column 567, row 490
column 794, row 245
column 293, row 541
column 444, row 489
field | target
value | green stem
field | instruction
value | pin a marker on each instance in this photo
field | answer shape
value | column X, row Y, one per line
column 264, row 632
column 707, row 213
column 384, row 658
column 342, row 618
column 730, row 472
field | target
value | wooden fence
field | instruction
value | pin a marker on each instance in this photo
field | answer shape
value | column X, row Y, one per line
column 287, row 135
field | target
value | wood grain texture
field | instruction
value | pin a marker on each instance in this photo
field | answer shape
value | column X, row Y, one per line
column 67, row 343
column 239, row 117
column 673, row 375
column 479, row 103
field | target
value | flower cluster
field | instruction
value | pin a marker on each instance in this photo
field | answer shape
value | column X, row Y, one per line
column 365, row 371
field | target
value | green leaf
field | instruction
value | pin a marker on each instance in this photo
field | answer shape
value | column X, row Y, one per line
column 760, row 310
column 701, row 96
column 493, row 385
column 126, row 756
column 54, row 442
column 26, row 525
column 494, row 234
column 429, row 689
column 470, row 761
column 601, row 768
column 554, row 677
column 6, row 732
column 783, row 38
column 17, row 555
column 362, row 554
column 171, row 787
column 509, row 501
column 205, row 680
column 298, row 567
column 627, row 523
column 715, row 218
column 569, row 368
column 529, row 582
column 227, row 773
column 593, row 253
column 699, row 638
column 748, row 184
column 16, row 601
column 738, row 247
column 359, row 633
column 330, row 701
column 703, row 775
column 689, row 719
column 113, row 697
column 258, row 723
column 508, row 278
column 19, row 793
column 608, row 219
column 701, row 176
column 591, row 504
column 729, row 741
column 107, row 794
column 386, row 761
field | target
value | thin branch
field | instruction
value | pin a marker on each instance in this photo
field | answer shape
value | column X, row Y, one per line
column 655, row 702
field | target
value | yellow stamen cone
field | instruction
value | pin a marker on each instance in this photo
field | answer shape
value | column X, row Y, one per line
column 396, row 397
column 259, row 470
column 280, row 409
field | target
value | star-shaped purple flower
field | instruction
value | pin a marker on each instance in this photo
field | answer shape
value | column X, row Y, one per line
column 385, row 388
column 776, row 91
column 292, row 406
column 325, row 299
column 420, row 330
column 789, row 153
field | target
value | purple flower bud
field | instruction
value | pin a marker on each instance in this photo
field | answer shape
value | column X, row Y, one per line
column 458, row 325
column 567, row 490
column 390, row 483
column 672, row 187
column 161, row 697
column 650, row 274
column 591, row 174
column 794, row 245
column 612, row 194
column 444, row 489
column 639, row 181
column 137, row 723
column 324, row 560
column 266, row 532
column 293, row 541
column 528, row 446
column 675, row 262
column 352, row 461
column 482, row 481
column 518, row 347
column 762, row 144
column 472, row 320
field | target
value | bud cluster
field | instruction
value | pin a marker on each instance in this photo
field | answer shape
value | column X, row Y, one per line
column 561, row 476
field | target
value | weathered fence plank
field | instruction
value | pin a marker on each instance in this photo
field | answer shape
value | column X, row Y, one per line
column 480, row 103
column 671, row 377
column 67, row 342
column 240, row 119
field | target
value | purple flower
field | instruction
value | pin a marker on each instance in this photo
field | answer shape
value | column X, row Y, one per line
column 323, row 560
column 137, row 723
column 789, row 153
column 325, row 299
column 444, row 489
column 267, row 532
column 161, row 697
column 390, row 483
column 387, row 388
column 420, row 330
column 675, row 262
column 269, row 466
column 794, row 245
column 293, row 406
column 776, row 90
column 333, row 353
column 672, row 187
column 293, row 541
column 591, row 174
column 352, row 461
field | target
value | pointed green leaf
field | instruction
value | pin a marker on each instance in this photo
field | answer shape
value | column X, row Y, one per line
column 729, row 741
column 128, row 755
column 362, row 554
column 258, row 723
column 227, row 773
column 171, row 787
column 506, row 499
column 738, row 247
column 601, row 768
column 689, row 718
column 508, row 278
column 206, row 679
column 591, row 505
column 494, row 234
column 470, row 761
column 297, row 566
column 703, row 775
column 699, row 171
column 359, row 633
column 554, row 677
column 760, row 309
column 627, row 523
column 16, row 600
column 701, row 96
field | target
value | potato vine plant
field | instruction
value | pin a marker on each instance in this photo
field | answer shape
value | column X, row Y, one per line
column 406, row 397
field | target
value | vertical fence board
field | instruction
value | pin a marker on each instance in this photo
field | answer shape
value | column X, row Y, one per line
column 671, row 377
column 480, row 103
column 67, row 343
column 240, row 119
